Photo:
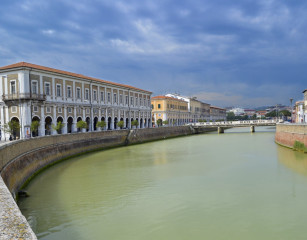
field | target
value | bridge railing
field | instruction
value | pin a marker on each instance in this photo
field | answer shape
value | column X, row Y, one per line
column 234, row 123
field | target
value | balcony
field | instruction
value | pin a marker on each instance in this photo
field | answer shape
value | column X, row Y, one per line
column 23, row 96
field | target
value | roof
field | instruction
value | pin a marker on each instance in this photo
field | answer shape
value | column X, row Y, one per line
column 165, row 97
column 53, row 70
column 217, row 108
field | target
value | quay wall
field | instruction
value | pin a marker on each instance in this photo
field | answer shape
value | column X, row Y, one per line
column 20, row 160
column 287, row 134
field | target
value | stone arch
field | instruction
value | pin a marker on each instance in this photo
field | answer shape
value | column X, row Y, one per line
column 78, row 120
column 70, row 122
column 115, row 122
column 141, row 123
column 88, row 122
column 109, row 123
column 16, row 133
column 127, row 122
column 34, row 132
column 48, row 125
column 95, row 123
column 60, row 119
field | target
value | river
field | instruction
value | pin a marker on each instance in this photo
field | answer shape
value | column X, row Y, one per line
column 236, row 185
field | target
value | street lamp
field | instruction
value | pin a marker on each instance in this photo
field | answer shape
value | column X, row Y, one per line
column 291, row 100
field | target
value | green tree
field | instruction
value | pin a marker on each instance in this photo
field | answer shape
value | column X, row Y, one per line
column 165, row 122
column 286, row 113
column 100, row 124
column 34, row 127
column 58, row 127
column 12, row 127
column 120, row 124
column 135, row 123
column 271, row 114
column 81, row 124
column 231, row 116
column 159, row 122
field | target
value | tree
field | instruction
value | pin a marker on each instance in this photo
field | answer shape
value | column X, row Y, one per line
column 120, row 124
column 165, row 122
column 135, row 123
column 81, row 124
column 58, row 127
column 159, row 122
column 12, row 128
column 100, row 124
column 254, row 116
column 286, row 113
column 271, row 114
column 34, row 127
column 231, row 116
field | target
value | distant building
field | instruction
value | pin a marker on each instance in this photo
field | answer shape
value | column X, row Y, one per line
column 170, row 109
column 198, row 110
column 217, row 113
column 261, row 113
column 299, row 112
column 237, row 111
column 249, row 112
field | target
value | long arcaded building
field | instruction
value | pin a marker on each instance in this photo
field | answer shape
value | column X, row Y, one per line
column 31, row 92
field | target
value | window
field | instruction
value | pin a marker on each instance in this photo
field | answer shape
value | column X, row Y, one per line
column 101, row 96
column 136, row 101
column 152, row 106
column 69, row 92
column 79, row 110
column 115, row 98
column 14, row 109
column 69, row 109
column 127, row 100
column 95, row 111
column 140, row 101
column 109, row 97
column 87, row 111
column 148, row 102
column 95, row 95
column 48, row 109
column 34, row 87
column 159, row 105
column 59, row 110
column 78, row 93
column 131, row 100
column 58, row 90
column 87, row 94
column 13, row 87
column 121, row 99
column 47, row 88
column 35, row 109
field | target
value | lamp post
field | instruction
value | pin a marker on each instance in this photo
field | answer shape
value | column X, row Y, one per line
column 291, row 100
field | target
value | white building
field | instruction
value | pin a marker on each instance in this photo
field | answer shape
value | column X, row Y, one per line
column 299, row 111
column 31, row 92
column 238, row 111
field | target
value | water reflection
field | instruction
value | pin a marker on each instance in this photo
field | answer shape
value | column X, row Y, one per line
column 294, row 160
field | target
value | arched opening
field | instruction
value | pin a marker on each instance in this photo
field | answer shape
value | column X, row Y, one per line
column 70, row 121
column 145, row 123
column 109, row 123
column 59, row 127
column 141, row 123
column 95, row 123
column 15, row 128
column 103, row 120
column 88, row 122
column 138, row 123
column 115, row 123
column 34, row 126
column 127, row 123
column 48, row 123
column 78, row 120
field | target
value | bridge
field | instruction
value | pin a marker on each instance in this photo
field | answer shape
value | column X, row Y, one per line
column 231, row 124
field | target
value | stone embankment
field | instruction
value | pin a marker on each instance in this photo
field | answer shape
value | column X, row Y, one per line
column 287, row 134
column 21, row 160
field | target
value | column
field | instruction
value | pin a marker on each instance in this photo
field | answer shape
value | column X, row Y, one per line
column 139, row 117
column 64, row 91
column 106, row 118
column 65, row 120
column 54, row 120
column 53, row 88
column 2, row 122
column 6, row 111
column 112, row 119
column 74, row 124
column 41, row 87
column 92, row 120
column 42, row 122
column 125, row 119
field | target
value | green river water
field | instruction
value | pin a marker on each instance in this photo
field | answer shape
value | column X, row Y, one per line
column 235, row 185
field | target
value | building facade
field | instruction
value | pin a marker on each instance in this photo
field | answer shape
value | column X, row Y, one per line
column 31, row 92
column 197, row 110
column 299, row 112
column 217, row 114
column 172, row 110
column 305, row 105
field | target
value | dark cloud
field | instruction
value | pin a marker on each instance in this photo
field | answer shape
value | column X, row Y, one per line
column 247, row 51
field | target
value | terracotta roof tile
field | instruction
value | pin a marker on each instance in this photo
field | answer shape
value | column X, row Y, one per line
column 30, row 65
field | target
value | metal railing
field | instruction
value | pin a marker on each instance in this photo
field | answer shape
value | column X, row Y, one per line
column 23, row 96
column 237, row 123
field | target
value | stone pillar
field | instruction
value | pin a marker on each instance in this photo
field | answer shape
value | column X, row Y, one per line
column 252, row 129
column 2, row 123
column 42, row 122
column 112, row 120
column 54, row 120
column 106, row 118
column 220, row 130
column 65, row 120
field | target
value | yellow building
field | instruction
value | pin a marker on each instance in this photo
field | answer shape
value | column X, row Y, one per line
column 170, row 109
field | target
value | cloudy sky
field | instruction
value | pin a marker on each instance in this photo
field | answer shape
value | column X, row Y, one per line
column 228, row 53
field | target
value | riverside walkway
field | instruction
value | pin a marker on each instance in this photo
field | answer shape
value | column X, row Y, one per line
column 230, row 124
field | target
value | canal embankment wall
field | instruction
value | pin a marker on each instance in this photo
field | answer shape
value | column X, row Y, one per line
column 287, row 134
column 22, row 159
